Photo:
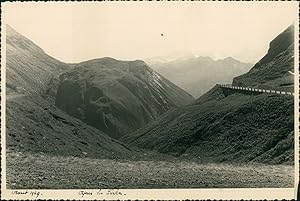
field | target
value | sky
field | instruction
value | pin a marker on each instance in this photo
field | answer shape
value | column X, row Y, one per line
column 79, row 31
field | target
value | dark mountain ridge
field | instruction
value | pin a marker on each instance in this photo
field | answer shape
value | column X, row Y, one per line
column 115, row 96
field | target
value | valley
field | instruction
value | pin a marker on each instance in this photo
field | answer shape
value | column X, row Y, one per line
column 233, row 126
column 108, row 123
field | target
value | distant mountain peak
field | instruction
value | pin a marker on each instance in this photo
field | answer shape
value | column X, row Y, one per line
column 230, row 59
column 105, row 60
column 204, row 58
column 197, row 75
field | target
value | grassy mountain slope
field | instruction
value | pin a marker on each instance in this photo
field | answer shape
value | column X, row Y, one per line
column 227, row 126
column 28, row 67
column 115, row 96
column 233, row 128
column 34, row 125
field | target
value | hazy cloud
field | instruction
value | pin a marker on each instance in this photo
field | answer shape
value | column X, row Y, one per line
column 74, row 32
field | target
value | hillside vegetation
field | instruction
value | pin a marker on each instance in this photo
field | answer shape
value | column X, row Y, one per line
column 33, row 125
column 115, row 96
column 234, row 128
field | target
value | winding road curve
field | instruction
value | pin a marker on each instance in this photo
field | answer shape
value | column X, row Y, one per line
column 229, row 86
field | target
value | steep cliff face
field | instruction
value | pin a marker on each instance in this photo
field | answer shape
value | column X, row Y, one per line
column 272, row 70
column 28, row 67
column 117, row 97
column 231, row 127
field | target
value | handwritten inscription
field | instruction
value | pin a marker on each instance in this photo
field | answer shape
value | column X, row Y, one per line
column 82, row 193
column 85, row 193
column 110, row 192
column 30, row 193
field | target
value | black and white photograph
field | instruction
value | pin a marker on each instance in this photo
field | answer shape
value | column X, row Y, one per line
column 149, row 100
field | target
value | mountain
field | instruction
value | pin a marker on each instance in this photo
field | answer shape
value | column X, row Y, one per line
column 28, row 67
column 197, row 75
column 33, row 123
column 230, row 126
column 117, row 97
column 271, row 72
column 153, row 61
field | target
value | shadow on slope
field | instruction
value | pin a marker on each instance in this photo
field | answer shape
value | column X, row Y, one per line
column 224, row 128
column 34, row 125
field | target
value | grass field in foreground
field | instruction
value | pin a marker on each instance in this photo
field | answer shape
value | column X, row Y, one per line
column 55, row 172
